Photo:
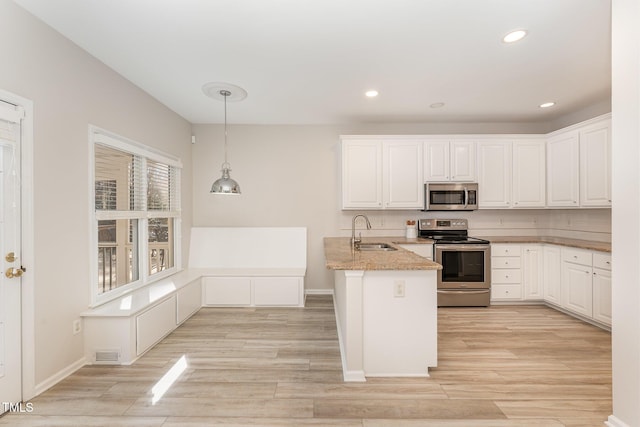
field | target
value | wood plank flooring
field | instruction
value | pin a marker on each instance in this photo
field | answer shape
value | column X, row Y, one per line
column 498, row 367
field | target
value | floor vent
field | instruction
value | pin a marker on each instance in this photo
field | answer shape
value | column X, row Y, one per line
column 107, row 356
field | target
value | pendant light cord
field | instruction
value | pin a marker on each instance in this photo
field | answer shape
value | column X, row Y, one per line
column 225, row 93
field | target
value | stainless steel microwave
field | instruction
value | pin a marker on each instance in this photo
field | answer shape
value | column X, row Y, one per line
column 451, row 196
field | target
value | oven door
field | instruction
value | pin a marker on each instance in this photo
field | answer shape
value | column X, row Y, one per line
column 464, row 266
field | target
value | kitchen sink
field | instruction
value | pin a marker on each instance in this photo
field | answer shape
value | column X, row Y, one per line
column 376, row 247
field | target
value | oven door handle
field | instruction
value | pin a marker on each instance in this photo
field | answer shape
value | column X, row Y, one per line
column 465, row 291
column 464, row 246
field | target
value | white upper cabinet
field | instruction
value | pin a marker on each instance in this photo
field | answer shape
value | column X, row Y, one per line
column 436, row 160
column 379, row 174
column 595, row 165
column 449, row 160
column 563, row 170
column 361, row 174
column 402, row 185
column 579, row 166
column 529, row 189
column 494, row 174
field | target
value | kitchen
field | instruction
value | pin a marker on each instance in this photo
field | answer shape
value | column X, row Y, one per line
column 283, row 151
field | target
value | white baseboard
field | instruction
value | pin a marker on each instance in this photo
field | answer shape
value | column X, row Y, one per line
column 318, row 292
column 59, row 376
column 614, row 421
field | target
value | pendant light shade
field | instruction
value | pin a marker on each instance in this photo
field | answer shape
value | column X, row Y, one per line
column 225, row 184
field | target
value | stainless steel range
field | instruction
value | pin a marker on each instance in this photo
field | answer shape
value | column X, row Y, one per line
column 465, row 278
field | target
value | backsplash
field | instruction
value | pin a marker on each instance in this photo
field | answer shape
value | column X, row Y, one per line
column 587, row 224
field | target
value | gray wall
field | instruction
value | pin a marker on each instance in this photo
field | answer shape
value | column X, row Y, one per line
column 71, row 90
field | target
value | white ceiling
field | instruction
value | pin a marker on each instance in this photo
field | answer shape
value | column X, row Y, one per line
column 310, row 61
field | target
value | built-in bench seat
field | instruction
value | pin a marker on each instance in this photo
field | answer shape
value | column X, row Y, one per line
column 249, row 266
column 229, row 266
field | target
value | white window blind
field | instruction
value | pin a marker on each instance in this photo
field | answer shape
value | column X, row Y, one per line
column 118, row 178
column 10, row 116
column 162, row 187
column 137, row 214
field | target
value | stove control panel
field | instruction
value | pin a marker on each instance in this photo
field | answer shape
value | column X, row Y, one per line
column 443, row 224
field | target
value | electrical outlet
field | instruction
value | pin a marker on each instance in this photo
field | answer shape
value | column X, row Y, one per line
column 398, row 288
column 77, row 327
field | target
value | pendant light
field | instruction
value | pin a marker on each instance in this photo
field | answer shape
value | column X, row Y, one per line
column 225, row 184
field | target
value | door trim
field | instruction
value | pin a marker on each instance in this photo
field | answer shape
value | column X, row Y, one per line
column 27, row 233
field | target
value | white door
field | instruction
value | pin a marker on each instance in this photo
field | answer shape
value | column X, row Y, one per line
column 10, row 287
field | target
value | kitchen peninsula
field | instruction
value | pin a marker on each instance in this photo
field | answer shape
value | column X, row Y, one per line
column 386, row 308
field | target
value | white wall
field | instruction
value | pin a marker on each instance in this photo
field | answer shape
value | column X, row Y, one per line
column 71, row 90
column 626, row 213
column 290, row 176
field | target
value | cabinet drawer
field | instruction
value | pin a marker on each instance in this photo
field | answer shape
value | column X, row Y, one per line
column 506, row 275
column 602, row 260
column 505, row 262
column 505, row 250
column 506, row 292
column 576, row 256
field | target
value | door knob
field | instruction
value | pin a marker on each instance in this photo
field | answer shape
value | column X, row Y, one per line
column 11, row 257
column 14, row 272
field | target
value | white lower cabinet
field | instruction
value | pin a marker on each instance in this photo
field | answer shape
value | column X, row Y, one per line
column 586, row 284
column 533, row 272
column 506, row 272
column 602, row 288
column 552, row 266
column 576, row 280
column 577, row 290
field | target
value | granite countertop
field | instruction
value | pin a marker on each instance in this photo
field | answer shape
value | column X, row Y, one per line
column 562, row 241
column 339, row 256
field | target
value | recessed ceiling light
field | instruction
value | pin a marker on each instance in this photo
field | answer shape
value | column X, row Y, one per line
column 437, row 105
column 514, row 36
column 371, row 93
column 547, row 104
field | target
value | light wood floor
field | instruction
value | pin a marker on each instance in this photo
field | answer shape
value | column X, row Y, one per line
column 502, row 366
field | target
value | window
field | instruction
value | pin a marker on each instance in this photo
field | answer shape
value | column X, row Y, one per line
column 136, row 215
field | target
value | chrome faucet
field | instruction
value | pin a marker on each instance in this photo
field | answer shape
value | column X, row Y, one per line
column 355, row 242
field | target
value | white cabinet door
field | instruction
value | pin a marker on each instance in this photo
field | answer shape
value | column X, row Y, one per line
column 577, row 295
column 595, row 165
column 462, row 161
column 436, row 160
column 402, row 183
column 361, row 174
column 602, row 295
column 529, row 160
column 562, row 170
column 552, row 275
column 532, row 272
column 449, row 160
column 494, row 174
